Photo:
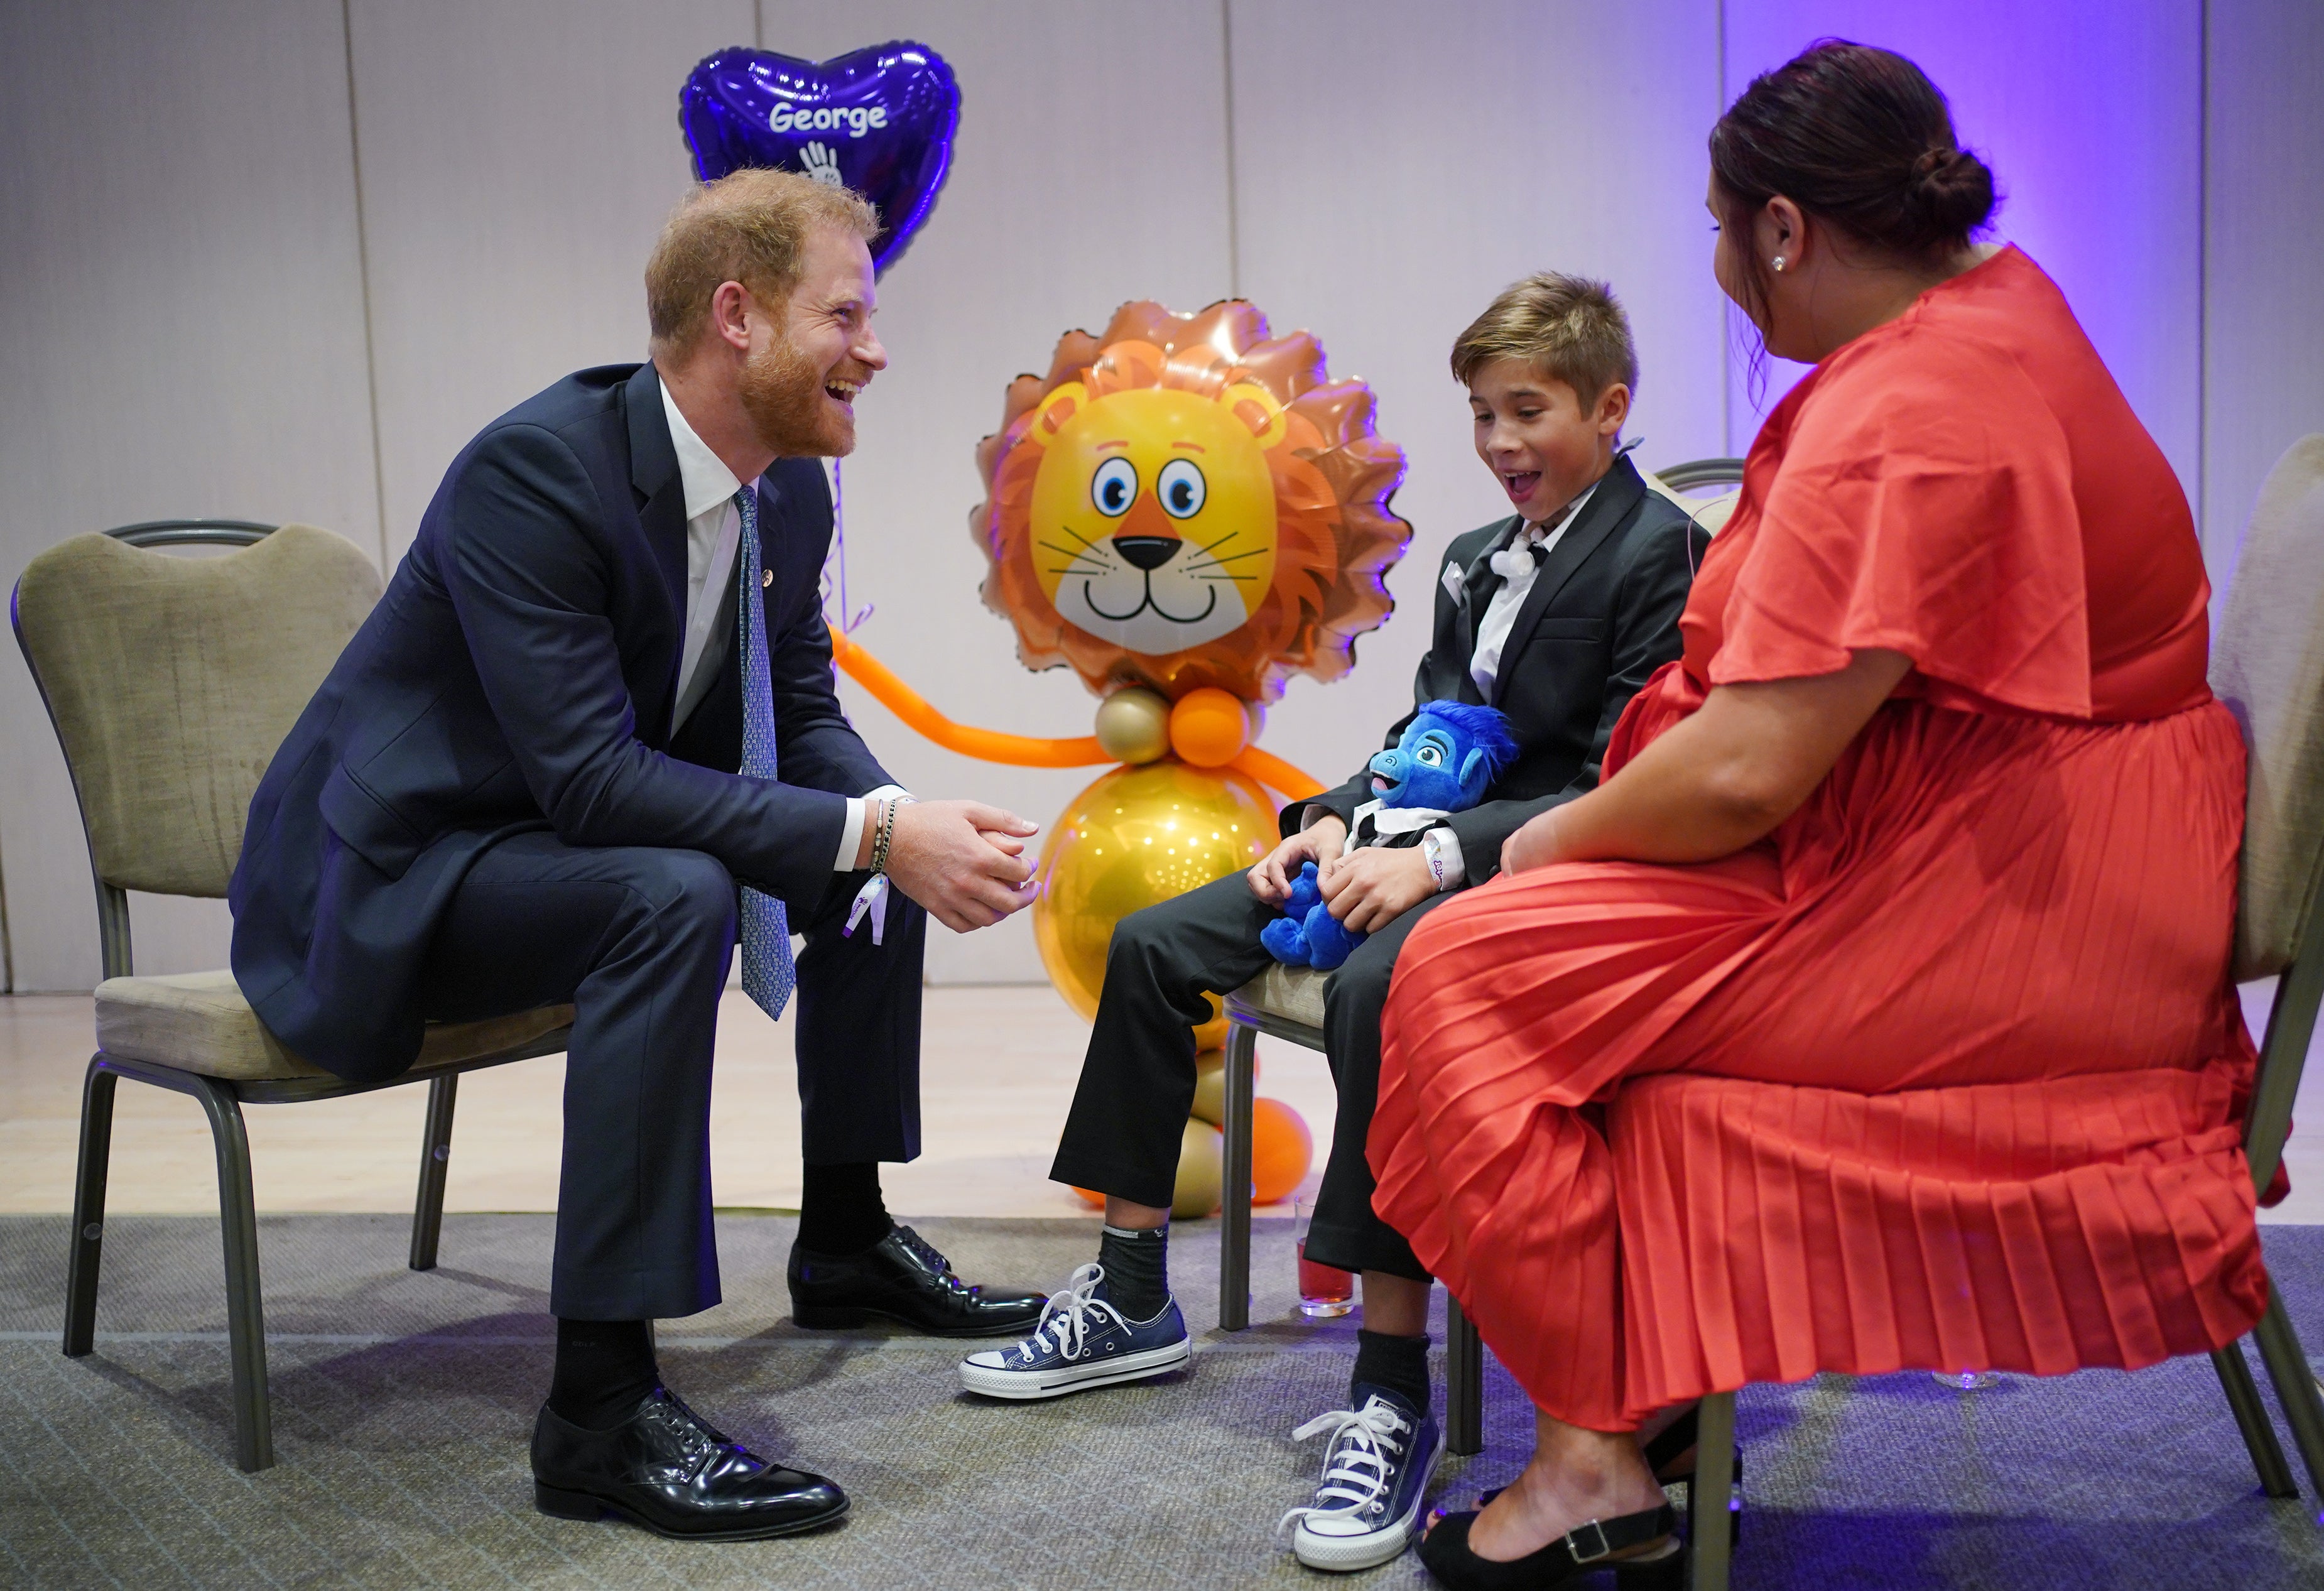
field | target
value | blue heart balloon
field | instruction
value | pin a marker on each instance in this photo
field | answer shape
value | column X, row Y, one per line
column 880, row 121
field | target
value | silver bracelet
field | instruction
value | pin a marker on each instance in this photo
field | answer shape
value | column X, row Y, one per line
column 886, row 831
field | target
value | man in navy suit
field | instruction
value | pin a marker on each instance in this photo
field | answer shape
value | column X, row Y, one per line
column 595, row 699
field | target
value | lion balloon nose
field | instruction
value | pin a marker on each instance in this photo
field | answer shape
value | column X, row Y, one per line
column 1147, row 552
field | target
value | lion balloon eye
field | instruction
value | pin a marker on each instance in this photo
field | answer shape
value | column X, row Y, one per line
column 1114, row 487
column 1182, row 488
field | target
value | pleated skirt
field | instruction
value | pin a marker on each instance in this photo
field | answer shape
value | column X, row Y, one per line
column 1948, row 1074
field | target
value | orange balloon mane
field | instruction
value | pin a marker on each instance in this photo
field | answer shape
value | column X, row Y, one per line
column 1333, row 537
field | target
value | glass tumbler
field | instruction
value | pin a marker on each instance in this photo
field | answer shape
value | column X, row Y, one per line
column 1325, row 1291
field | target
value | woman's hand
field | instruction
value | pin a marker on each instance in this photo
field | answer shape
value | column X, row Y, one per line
column 1368, row 889
column 1720, row 781
column 1533, row 845
column 1319, row 842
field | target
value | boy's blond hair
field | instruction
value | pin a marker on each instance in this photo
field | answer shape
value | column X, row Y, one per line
column 1568, row 328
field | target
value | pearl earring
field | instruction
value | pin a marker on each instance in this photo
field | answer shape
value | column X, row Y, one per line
column 1779, row 261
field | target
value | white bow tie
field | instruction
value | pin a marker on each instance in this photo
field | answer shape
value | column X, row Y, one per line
column 1520, row 559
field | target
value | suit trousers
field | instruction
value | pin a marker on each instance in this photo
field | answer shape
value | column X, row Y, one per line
column 1137, row 1085
column 638, row 941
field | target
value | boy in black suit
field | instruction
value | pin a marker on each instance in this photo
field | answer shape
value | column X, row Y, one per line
column 1555, row 615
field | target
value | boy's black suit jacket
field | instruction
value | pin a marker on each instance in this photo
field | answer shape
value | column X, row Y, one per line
column 1601, row 616
column 520, row 673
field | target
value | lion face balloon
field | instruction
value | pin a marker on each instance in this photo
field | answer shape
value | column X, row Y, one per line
column 1185, row 501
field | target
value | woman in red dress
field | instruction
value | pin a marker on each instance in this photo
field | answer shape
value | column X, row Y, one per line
column 1935, row 822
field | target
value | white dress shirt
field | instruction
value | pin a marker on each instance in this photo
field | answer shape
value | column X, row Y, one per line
column 1518, row 572
column 714, row 534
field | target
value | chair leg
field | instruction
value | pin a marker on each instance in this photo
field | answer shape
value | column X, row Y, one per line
column 1464, row 1383
column 245, row 1312
column 89, row 1209
column 1234, row 1197
column 2295, row 1385
column 2251, row 1418
column 1710, row 1526
column 435, row 1162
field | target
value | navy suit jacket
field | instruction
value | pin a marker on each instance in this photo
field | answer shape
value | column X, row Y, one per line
column 519, row 673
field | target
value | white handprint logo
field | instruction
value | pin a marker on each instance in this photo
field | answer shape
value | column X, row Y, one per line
column 823, row 164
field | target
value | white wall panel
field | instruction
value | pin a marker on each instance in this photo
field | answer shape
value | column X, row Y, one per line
column 2088, row 111
column 180, row 335
column 2263, row 311
column 518, row 158
column 1396, row 167
column 1090, row 169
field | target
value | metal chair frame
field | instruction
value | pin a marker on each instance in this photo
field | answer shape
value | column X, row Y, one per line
column 1701, row 472
column 1464, row 1363
column 222, row 1100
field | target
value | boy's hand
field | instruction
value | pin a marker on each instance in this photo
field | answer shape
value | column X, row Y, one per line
column 1319, row 842
column 1369, row 890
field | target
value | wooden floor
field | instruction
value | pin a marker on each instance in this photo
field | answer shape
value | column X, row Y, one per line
column 998, row 1067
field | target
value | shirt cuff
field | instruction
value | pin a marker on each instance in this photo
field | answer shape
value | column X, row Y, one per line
column 1316, row 813
column 851, row 832
column 1448, row 853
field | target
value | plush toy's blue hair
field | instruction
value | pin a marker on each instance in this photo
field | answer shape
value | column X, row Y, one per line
column 1487, row 730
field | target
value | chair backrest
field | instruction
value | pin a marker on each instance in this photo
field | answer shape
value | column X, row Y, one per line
column 172, row 680
column 2267, row 665
column 1680, row 482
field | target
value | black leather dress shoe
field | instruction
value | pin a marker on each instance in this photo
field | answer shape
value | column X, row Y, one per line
column 668, row 1469
column 902, row 1278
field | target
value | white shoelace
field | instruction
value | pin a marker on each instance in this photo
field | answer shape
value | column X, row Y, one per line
column 1356, row 1467
column 1065, row 1318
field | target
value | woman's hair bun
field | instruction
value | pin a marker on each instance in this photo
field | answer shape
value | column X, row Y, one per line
column 1953, row 189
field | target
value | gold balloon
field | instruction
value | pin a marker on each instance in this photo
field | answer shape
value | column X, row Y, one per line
column 1211, row 1087
column 1136, row 838
column 1134, row 724
column 1202, row 1171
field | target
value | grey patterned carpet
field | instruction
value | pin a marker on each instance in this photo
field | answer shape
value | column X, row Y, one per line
column 404, row 1401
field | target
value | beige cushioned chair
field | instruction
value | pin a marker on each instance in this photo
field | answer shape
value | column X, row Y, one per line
column 172, row 680
column 1288, row 1003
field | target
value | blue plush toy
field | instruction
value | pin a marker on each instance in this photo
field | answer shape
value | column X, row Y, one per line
column 1447, row 755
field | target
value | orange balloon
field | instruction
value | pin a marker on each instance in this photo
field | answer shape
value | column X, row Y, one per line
column 1280, row 1150
column 1097, row 1200
column 1208, row 727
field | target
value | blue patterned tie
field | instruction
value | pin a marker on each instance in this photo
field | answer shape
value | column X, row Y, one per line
column 767, row 974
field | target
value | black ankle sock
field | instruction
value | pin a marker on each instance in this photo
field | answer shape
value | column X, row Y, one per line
column 1137, row 1270
column 1398, row 1364
column 604, row 1368
column 840, row 1208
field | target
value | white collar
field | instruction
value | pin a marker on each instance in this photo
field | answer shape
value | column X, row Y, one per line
column 704, row 475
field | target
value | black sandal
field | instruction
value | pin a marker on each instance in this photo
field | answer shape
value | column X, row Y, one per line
column 1583, row 1551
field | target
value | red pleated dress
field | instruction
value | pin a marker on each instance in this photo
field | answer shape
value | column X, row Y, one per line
column 1946, row 1072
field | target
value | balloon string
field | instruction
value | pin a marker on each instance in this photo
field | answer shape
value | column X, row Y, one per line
column 1024, row 751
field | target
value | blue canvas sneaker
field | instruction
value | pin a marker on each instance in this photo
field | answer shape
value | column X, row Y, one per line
column 1375, row 1472
column 1081, row 1342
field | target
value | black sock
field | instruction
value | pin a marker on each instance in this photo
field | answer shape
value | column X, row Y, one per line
column 604, row 1368
column 840, row 1208
column 1393, row 1364
column 1137, row 1270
